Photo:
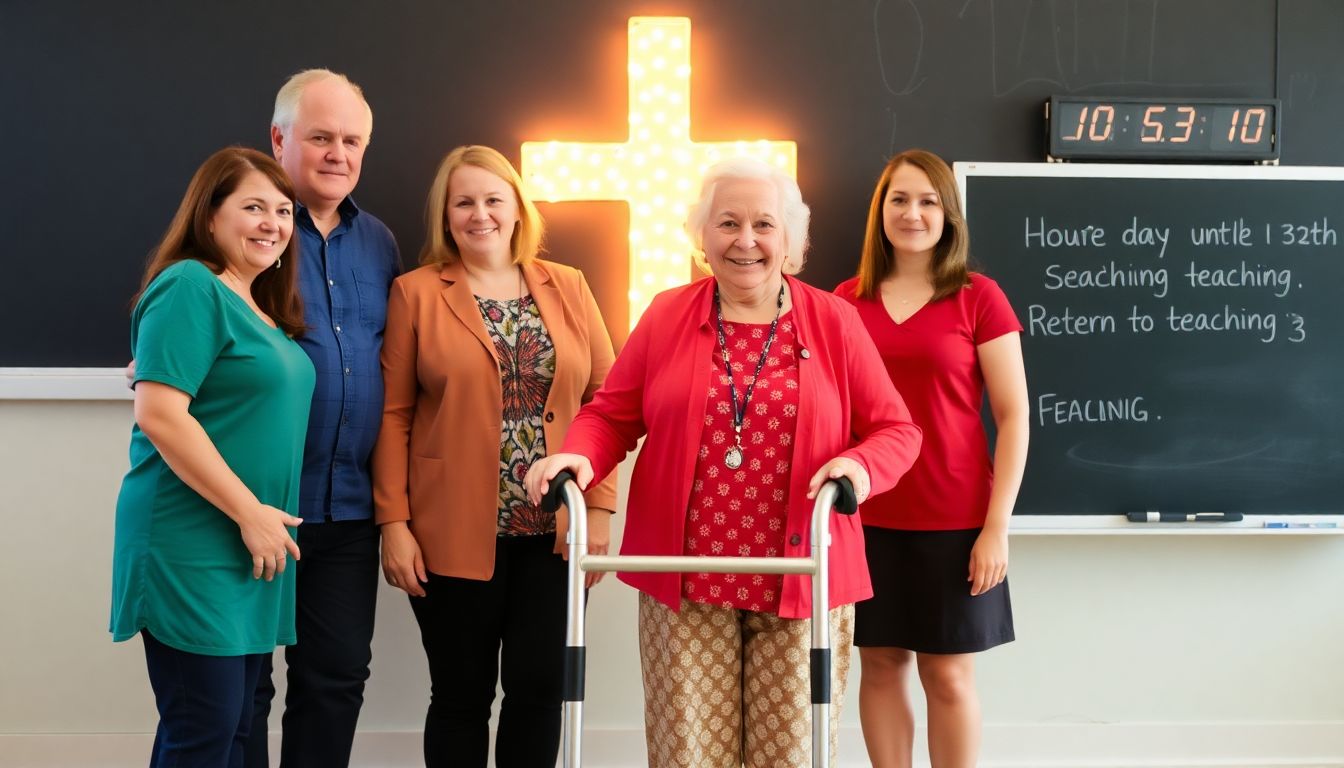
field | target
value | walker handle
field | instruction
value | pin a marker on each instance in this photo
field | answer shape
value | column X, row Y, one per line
column 555, row 493
column 846, row 503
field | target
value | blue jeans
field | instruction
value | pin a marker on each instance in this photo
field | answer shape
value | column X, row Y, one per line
column 204, row 703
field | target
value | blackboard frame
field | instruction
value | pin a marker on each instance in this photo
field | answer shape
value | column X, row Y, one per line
column 1025, row 522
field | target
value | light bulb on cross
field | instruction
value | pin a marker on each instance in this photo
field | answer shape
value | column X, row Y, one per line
column 657, row 170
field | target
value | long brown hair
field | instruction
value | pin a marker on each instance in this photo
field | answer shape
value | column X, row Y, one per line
column 949, row 270
column 188, row 237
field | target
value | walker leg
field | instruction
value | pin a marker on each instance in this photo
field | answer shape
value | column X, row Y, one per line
column 573, row 735
column 821, row 706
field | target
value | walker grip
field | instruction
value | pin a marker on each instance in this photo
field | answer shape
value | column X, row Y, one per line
column 555, row 494
column 846, row 503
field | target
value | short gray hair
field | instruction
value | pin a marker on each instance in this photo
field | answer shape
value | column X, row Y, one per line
column 794, row 211
column 287, row 99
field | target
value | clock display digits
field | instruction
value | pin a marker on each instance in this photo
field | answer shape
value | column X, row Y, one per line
column 1163, row 129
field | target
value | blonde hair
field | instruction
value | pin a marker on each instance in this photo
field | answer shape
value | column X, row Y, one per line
column 948, row 268
column 288, row 97
column 439, row 247
column 793, row 210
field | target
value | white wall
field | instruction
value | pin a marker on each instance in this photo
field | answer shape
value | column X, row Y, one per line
column 1132, row 650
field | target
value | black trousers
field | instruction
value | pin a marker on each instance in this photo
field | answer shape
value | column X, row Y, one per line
column 511, row 629
column 204, row 703
column 337, row 588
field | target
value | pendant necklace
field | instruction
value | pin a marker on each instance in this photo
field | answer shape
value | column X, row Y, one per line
column 732, row 458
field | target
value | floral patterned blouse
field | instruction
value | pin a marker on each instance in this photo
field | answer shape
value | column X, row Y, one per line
column 526, row 369
column 740, row 512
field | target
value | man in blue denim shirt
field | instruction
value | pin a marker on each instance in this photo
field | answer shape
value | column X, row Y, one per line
column 348, row 258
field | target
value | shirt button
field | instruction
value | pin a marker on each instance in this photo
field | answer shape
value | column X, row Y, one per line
column 338, row 329
column 795, row 540
column 803, row 353
column 331, row 282
column 347, row 371
column 550, row 416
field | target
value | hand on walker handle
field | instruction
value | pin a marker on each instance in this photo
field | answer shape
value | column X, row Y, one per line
column 841, row 466
column 539, row 475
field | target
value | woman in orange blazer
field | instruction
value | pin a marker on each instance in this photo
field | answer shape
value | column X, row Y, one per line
column 488, row 354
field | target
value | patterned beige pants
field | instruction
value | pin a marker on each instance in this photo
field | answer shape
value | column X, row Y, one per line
column 726, row 687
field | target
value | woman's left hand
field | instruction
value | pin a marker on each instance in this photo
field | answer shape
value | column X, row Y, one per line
column 599, row 537
column 841, row 466
column 599, row 540
column 989, row 561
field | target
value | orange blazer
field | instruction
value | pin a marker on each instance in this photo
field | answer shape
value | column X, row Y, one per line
column 436, row 462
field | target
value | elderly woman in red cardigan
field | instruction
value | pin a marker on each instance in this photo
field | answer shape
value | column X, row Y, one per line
column 750, row 389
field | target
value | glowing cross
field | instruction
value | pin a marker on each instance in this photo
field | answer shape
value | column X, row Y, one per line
column 656, row 171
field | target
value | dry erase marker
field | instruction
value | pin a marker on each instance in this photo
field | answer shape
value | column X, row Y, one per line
column 1286, row 524
column 1153, row 516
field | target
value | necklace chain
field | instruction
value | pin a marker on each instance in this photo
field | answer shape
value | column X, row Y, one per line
column 733, row 456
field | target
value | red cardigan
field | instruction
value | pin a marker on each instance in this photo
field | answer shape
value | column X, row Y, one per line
column 658, row 389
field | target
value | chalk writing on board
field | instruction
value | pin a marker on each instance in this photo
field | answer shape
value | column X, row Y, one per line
column 1301, row 85
column 1055, row 409
column 1181, row 333
column 911, row 48
column 1076, row 46
column 1216, row 259
column 1108, row 275
column 1242, row 279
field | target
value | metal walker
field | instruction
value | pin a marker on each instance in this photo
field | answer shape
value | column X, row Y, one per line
column 835, row 494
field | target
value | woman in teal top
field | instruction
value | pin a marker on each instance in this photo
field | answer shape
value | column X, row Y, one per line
column 206, row 512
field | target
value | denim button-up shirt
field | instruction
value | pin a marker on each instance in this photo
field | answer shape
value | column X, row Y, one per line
column 344, row 280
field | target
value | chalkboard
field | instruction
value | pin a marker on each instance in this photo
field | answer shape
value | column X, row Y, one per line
column 108, row 107
column 1184, row 340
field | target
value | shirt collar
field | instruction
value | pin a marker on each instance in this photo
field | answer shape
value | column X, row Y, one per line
column 347, row 210
column 534, row 272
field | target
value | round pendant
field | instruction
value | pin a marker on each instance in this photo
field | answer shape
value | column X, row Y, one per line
column 732, row 458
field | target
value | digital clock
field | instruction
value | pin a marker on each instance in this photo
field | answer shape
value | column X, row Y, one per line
column 1163, row 129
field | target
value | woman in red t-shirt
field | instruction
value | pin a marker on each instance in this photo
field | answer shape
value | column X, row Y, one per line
column 937, row 543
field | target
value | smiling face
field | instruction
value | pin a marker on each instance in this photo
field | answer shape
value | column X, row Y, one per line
column 482, row 212
column 912, row 213
column 744, row 241
column 252, row 226
column 323, row 151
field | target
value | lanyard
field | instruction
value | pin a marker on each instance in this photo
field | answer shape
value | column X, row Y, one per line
column 732, row 458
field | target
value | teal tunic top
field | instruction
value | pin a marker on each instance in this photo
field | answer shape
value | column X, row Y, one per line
column 179, row 567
